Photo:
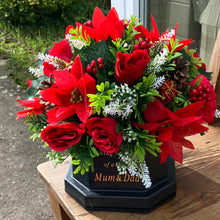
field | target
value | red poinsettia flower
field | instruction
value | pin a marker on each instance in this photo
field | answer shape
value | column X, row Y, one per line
column 63, row 51
column 69, row 93
column 33, row 105
column 101, row 27
column 155, row 36
column 172, row 128
column 206, row 93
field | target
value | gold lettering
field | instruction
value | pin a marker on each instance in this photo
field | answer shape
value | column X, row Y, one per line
column 118, row 178
column 126, row 177
column 105, row 154
column 132, row 179
column 111, row 178
column 106, row 165
column 104, row 178
column 137, row 179
column 98, row 177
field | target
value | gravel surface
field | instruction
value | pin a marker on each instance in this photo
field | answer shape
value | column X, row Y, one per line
column 23, row 195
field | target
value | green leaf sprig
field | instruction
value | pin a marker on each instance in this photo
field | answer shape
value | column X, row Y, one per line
column 98, row 100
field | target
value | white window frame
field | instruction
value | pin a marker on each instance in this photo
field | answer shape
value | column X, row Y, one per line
column 126, row 8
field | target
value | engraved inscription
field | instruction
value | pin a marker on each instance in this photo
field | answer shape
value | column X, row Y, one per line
column 99, row 177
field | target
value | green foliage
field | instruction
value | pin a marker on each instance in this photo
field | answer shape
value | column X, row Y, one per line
column 25, row 34
column 57, row 157
column 174, row 45
column 33, row 91
column 178, row 102
column 77, row 34
column 44, row 11
column 146, row 142
column 93, row 52
column 207, row 74
column 83, row 156
column 98, row 100
column 131, row 25
column 145, row 94
column 21, row 46
column 126, row 45
column 36, row 124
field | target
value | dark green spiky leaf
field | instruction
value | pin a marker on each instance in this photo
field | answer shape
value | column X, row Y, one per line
column 207, row 74
column 93, row 52
column 33, row 91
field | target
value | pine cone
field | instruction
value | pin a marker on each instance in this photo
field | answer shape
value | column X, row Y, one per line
column 47, row 83
column 180, row 74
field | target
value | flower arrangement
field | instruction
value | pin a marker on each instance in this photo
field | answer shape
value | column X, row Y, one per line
column 112, row 86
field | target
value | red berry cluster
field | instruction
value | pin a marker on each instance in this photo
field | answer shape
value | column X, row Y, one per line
column 200, row 93
column 91, row 67
column 88, row 24
column 143, row 45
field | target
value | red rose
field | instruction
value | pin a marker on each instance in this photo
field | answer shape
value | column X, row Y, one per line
column 103, row 132
column 61, row 137
column 130, row 67
column 208, row 95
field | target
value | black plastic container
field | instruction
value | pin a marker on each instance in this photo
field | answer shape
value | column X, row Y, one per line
column 106, row 190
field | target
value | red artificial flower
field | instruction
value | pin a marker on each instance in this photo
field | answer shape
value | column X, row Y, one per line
column 130, row 67
column 103, row 132
column 33, row 105
column 68, row 30
column 142, row 32
column 69, row 93
column 172, row 128
column 60, row 137
column 155, row 36
column 102, row 27
column 63, row 51
column 206, row 93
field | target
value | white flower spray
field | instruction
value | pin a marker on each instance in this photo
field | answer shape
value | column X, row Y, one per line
column 158, row 82
column 35, row 71
column 155, row 66
column 122, row 101
column 135, row 168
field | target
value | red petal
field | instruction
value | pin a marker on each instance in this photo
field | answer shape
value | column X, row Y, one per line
column 187, row 143
column 77, row 69
column 182, row 44
column 147, row 126
column 86, row 31
column 165, row 134
column 98, row 18
column 58, row 113
column 191, row 109
column 57, row 96
column 155, row 30
column 115, row 25
column 68, row 29
column 62, row 50
column 29, row 82
column 64, row 79
column 155, row 112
